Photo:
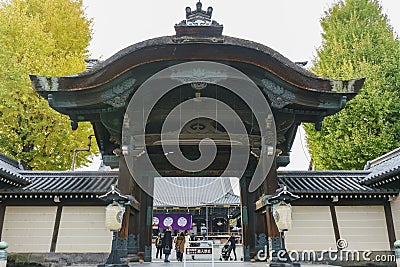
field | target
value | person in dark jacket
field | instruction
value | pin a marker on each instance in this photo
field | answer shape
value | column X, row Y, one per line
column 167, row 243
column 159, row 247
column 232, row 244
column 192, row 238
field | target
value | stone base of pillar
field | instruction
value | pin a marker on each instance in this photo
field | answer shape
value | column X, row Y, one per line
column 133, row 248
column 133, row 244
column 261, row 243
column 132, row 258
column 246, row 252
column 147, row 254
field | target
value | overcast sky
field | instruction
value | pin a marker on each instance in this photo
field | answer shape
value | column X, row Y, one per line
column 290, row 27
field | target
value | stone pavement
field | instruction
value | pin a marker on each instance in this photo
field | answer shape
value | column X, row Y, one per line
column 205, row 260
column 206, row 264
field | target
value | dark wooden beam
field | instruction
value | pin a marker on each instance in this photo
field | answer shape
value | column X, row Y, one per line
column 56, row 229
column 390, row 224
column 335, row 222
column 145, row 225
column 256, row 225
column 125, row 184
column 269, row 187
column 2, row 214
column 247, row 239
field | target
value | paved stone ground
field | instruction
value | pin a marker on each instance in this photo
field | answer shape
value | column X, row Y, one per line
column 206, row 264
column 217, row 254
column 205, row 261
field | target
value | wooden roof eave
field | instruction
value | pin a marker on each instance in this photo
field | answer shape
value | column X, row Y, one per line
column 383, row 177
column 13, row 179
column 158, row 50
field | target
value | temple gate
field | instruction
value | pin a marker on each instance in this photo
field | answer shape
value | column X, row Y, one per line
column 196, row 69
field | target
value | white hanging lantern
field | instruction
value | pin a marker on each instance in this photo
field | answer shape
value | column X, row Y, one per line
column 283, row 216
column 114, row 215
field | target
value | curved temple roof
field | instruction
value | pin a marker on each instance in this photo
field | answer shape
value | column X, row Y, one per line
column 167, row 50
column 101, row 94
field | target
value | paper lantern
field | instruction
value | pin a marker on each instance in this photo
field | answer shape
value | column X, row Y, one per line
column 283, row 216
column 114, row 215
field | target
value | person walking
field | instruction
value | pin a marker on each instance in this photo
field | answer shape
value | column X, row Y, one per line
column 159, row 245
column 180, row 246
column 232, row 244
column 187, row 238
column 192, row 238
column 203, row 231
column 167, row 243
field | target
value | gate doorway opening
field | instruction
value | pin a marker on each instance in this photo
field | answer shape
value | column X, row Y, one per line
column 206, row 209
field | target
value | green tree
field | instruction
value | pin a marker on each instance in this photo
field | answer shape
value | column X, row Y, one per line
column 46, row 37
column 358, row 42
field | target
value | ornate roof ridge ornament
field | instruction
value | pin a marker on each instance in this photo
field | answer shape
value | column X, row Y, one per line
column 198, row 17
column 198, row 23
column 282, row 194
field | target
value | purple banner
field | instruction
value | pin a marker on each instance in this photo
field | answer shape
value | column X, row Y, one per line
column 177, row 221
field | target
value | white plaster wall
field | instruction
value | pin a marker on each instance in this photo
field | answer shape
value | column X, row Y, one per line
column 364, row 227
column 312, row 229
column 28, row 228
column 82, row 229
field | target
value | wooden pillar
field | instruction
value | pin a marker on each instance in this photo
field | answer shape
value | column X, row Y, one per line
column 134, row 222
column 255, row 224
column 335, row 223
column 269, row 187
column 125, row 184
column 247, row 229
column 2, row 215
column 390, row 224
column 145, row 225
column 56, row 229
column 261, row 232
column 210, row 221
column 133, row 233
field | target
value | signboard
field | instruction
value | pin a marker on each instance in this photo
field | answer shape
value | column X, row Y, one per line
column 198, row 250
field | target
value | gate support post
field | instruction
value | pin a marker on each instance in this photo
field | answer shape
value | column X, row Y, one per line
column 258, row 225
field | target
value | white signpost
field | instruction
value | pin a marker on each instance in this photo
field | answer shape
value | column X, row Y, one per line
column 199, row 248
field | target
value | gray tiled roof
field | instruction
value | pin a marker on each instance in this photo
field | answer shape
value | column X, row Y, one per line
column 193, row 192
column 66, row 182
column 10, row 172
column 198, row 191
column 383, row 168
column 327, row 182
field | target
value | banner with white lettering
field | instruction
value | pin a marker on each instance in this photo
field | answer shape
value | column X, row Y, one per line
column 176, row 221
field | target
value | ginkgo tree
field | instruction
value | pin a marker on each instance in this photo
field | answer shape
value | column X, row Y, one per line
column 358, row 41
column 44, row 37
